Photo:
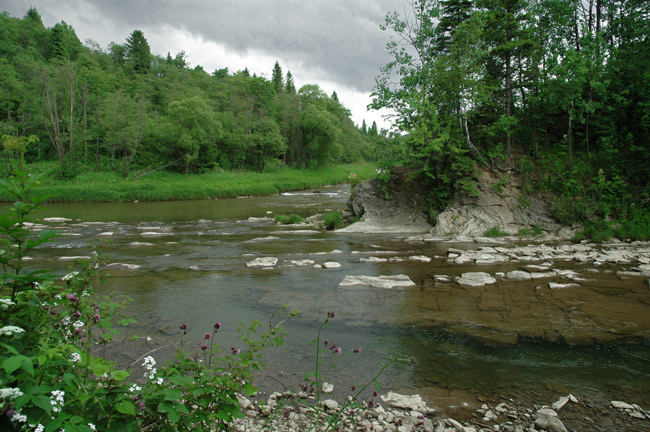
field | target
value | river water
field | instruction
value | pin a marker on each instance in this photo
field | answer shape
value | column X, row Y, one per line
column 186, row 262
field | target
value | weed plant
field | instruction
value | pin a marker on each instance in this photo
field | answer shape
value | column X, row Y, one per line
column 288, row 219
column 332, row 220
column 495, row 232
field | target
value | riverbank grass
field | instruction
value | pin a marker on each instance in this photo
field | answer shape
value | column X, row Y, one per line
column 166, row 186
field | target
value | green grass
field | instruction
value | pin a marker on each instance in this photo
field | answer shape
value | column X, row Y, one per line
column 332, row 220
column 165, row 186
column 288, row 219
column 528, row 232
column 495, row 232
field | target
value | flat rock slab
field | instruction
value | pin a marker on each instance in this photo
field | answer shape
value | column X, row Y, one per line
column 389, row 282
column 413, row 402
column 476, row 279
column 263, row 262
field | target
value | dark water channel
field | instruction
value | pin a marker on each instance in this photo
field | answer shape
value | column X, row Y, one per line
column 185, row 262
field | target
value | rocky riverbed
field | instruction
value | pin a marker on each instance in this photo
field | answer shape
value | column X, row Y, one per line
column 396, row 412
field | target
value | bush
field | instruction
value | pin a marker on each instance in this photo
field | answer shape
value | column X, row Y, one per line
column 332, row 220
column 288, row 219
column 495, row 232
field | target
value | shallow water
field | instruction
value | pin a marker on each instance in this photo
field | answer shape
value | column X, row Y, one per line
column 150, row 249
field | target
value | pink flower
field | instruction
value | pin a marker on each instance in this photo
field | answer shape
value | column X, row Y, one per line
column 217, row 325
column 183, row 326
column 207, row 336
column 357, row 350
column 204, row 347
column 338, row 350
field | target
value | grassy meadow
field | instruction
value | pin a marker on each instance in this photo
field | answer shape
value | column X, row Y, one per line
column 165, row 186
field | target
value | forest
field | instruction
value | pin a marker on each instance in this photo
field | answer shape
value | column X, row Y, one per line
column 123, row 108
column 557, row 91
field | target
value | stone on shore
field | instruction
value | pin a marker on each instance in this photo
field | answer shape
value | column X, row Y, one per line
column 412, row 403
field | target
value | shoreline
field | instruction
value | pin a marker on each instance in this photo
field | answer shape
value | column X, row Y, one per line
column 109, row 187
column 397, row 412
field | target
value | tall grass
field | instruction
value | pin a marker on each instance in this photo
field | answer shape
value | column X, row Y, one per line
column 164, row 186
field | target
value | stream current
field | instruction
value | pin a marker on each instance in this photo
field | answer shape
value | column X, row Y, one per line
column 186, row 262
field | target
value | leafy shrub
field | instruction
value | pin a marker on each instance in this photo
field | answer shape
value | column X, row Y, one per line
column 495, row 232
column 288, row 219
column 332, row 220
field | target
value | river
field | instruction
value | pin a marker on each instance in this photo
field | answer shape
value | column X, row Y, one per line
column 186, row 262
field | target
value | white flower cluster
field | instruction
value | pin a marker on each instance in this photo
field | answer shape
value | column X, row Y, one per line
column 10, row 393
column 78, row 324
column 66, row 321
column 134, row 388
column 160, row 381
column 18, row 417
column 70, row 276
column 74, row 358
column 5, row 303
column 57, row 400
column 149, row 363
column 92, row 426
column 39, row 428
column 11, row 330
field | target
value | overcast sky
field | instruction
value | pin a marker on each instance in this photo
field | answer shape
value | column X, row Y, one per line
column 336, row 44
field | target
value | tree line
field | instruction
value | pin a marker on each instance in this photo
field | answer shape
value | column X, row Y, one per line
column 563, row 85
column 123, row 107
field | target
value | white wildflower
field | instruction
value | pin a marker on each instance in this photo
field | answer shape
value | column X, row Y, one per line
column 70, row 276
column 10, row 330
column 5, row 303
column 149, row 362
column 78, row 324
column 92, row 426
column 134, row 388
column 18, row 417
column 160, row 381
column 75, row 358
column 151, row 374
column 58, row 296
column 37, row 285
column 66, row 321
column 39, row 428
column 10, row 393
column 57, row 400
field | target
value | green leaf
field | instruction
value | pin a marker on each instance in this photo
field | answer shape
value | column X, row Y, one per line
column 125, row 407
column 120, row 375
column 181, row 380
column 172, row 394
column 43, row 402
column 11, row 364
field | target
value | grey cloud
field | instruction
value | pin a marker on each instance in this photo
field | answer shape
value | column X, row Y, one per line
column 341, row 38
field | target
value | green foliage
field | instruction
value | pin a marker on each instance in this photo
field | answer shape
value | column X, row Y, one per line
column 89, row 186
column 332, row 220
column 495, row 232
column 118, row 109
column 288, row 219
column 528, row 232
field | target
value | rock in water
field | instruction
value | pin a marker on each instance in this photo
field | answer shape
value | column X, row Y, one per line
column 263, row 262
column 395, row 281
column 476, row 279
